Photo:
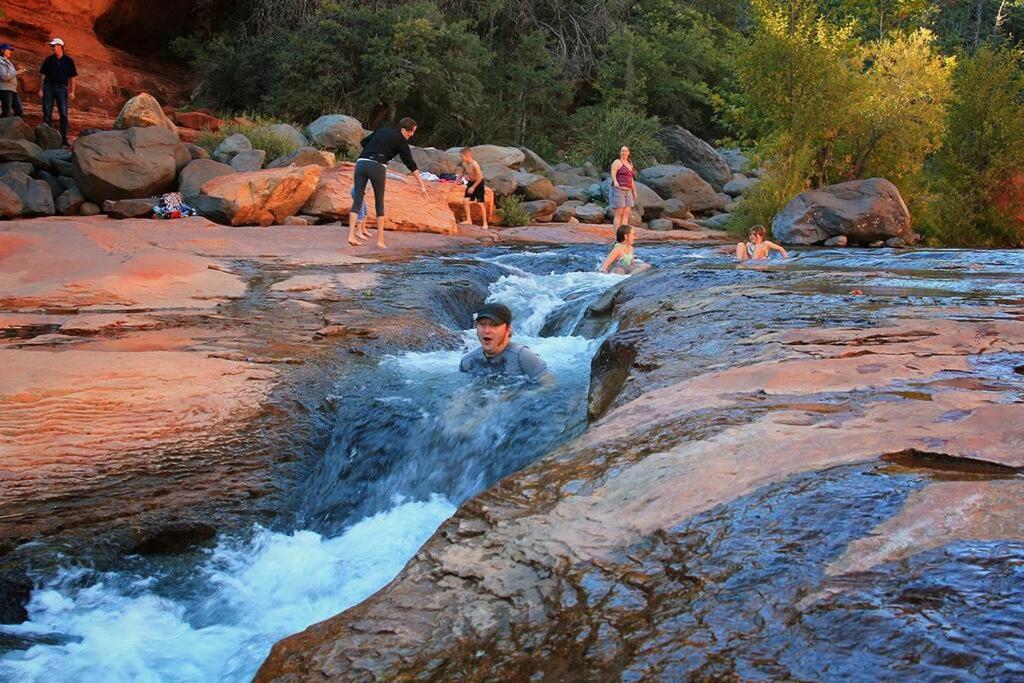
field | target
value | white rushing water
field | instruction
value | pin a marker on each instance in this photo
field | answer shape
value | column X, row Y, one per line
column 216, row 620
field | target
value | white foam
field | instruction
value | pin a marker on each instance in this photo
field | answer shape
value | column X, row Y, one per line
column 252, row 594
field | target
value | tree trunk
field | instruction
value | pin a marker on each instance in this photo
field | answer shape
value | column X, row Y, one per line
column 979, row 10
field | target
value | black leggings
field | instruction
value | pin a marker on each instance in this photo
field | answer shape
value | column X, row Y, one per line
column 377, row 174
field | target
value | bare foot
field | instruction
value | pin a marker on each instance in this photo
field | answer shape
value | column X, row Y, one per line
column 382, row 245
column 364, row 235
column 354, row 242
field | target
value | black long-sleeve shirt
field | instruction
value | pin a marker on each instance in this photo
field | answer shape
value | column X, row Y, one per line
column 384, row 143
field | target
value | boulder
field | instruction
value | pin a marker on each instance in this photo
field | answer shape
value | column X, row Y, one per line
column 230, row 146
column 69, row 202
column 128, row 164
column 566, row 211
column 23, row 166
column 197, row 172
column 574, row 193
column 10, row 203
column 837, row 241
column 259, row 198
column 304, row 156
column 143, row 111
column 590, row 213
column 532, row 186
column 198, row 120
column 676, row 208
column 740, row 185
column 14, row 128
column 436, row 161
column 56, row 189
column 570, row 179
column 407, row 209
column 648, row 204
column 248, row 160
column 130, row 208
column 589, row 169
column 502, row 180
column 289, row 133
column 737, row 161
column 661, row 225
column 678, row 182
column 896, row 243
column 47, row 137
column 596, row 192
column 718, row 222
column 540, row 210
column 196, row 151
column 22, row 150
column 534, row 164
column 635, row 219
column 90, row 209
column 66, row 182
column 697, row 155
column 35, row 195
column 865, row 211
column 337, row 133
column 494, row 155
column 558, row 195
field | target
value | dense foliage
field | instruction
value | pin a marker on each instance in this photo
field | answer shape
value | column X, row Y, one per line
column 819, row 91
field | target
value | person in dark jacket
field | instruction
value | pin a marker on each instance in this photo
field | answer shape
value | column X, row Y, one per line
column 59, row 74
column 380, row 147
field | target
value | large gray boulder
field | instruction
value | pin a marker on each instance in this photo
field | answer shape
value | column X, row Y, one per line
column 231, row 146
column 337, row 133
column 35, row 195
column 678, row 182
column 540, row 210
column 572, row 179
column 500, row 179
column 18, row 149
column 736, row 159
column 197, row 172
column 248, row 161
column 578, row 193
column 127, row 164
column 696, row 154
column 13, row 128
column 69, row 202
column 533, row 163
column 23, row 166
column 289, row 133
column 436, row 161
column 10, row 203
column 533, row 186
column 495, row 155
column 304, row 156
column 740, row 185
column 864, row 211
column 47, row 137
column 590, row 213
column 566, row 211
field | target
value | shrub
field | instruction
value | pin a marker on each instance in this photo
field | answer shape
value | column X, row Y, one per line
column 512, row 212
column 258, row 133
column 599, row 132
column 209, row 140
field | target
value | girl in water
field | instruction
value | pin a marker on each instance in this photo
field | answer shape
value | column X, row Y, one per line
column 758, row 248
column 622, row 260
column 623, row 190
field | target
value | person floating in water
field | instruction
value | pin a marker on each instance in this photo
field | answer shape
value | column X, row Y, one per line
column 498, row 354
column 622, row 260
column 758, row 248
column 379, row 147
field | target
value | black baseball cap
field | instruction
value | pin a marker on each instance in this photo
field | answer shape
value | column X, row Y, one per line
column 499, row 313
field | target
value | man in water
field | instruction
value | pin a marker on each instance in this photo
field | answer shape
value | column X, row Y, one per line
column 498, row 354
column 379, row 147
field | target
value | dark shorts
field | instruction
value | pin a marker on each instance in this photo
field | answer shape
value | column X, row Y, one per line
column 476, row 195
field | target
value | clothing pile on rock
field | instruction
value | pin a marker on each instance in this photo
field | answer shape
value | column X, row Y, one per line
column 173, row 206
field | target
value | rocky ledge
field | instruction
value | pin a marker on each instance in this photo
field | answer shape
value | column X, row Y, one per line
column 773, row 465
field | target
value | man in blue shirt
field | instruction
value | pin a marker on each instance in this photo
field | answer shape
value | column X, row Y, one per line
column 58, row 86
column 498, row 354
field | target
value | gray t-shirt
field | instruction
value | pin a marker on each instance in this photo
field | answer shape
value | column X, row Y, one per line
column 516, row 359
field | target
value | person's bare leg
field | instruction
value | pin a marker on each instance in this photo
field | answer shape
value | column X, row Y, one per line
column 352, row 218
column 469, row 216
column 741, row 252
column 361, row 232
column 483, row 213
column 380, row 232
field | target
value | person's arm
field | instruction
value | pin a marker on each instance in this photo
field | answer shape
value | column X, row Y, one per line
column 406, row 154
column 615, row 167
column 635, row 195
column 42, row 81
column 611, row 259
column 772, row 246
column 72, row 79
column 534, row 367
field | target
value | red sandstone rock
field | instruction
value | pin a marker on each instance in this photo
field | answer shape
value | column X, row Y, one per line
column 405, row 207
column 197, row 120
column 142, row 111
column 259, row 198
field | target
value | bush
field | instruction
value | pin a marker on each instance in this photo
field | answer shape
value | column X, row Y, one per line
column 258, row 133
column 511, row 211
column 598, row 134
column 209, row 140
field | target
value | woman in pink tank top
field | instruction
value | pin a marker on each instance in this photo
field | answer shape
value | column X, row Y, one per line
column 623, row 190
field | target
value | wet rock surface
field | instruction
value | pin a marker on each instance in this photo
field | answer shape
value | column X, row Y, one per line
column 787, row 481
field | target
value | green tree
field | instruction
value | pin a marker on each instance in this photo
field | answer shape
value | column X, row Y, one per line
column 599, row 132
column 978, row 171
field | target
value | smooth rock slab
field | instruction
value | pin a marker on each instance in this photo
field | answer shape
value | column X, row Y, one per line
column 260, row 198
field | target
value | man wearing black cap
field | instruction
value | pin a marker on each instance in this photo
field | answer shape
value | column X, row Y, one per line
column 498, row 354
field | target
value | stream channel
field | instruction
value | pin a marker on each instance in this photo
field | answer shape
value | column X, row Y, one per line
column 414, row 438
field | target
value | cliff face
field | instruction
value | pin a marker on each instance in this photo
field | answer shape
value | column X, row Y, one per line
column 118, row 45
